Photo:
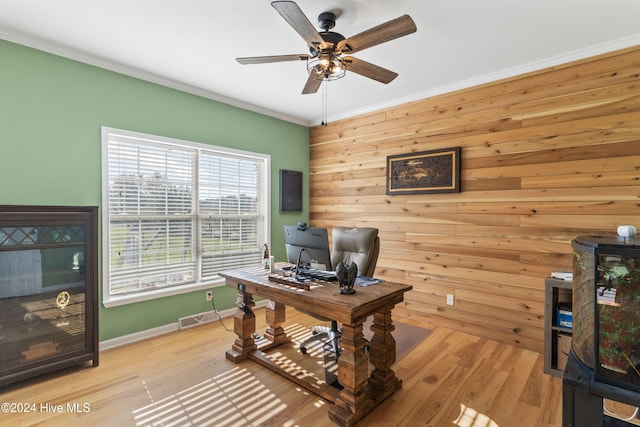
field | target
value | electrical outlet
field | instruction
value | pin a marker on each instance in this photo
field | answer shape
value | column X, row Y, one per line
column 209, row 296
column 449, row 299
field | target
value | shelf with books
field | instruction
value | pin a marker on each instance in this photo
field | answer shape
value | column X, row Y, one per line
column 557, row 329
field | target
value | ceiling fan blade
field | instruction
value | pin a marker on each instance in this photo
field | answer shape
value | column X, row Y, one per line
column 274, row 58
column 370, row 70
column 377, row 35
column 312, row 85
column 298, row 20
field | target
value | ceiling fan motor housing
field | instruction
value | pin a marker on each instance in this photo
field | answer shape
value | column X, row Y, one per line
column 331, row 37
column 326, row 21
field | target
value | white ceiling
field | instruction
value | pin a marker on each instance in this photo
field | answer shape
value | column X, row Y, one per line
column 192, row 44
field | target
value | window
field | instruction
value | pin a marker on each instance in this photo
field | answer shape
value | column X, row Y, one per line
column 176, row 212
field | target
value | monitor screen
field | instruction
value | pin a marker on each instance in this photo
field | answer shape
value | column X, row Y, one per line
column 311, row 244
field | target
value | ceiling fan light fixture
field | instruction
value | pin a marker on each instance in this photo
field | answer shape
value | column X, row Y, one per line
column 327, row 67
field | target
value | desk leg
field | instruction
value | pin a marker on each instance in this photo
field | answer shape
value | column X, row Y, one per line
column 383, row 380
column 275, row 316
column 244, row 325
column 352, row 402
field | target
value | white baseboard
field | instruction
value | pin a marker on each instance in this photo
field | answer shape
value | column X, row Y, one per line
column 160, row 330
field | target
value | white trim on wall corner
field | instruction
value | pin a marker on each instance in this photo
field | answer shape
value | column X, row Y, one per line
column 87, row 58
column 137, row 336
column 566, row 58
column 84, row 57
column 161, row 330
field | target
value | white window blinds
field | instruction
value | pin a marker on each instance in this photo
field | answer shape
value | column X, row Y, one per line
column 230, row 214
column 179, row 212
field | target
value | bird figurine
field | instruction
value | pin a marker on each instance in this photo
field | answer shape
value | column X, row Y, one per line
column 341, row 273
column 346, row 274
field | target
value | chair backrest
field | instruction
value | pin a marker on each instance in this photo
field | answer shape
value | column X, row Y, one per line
column 359, row 245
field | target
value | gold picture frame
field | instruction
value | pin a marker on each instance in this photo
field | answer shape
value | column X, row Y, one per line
column 435, row 171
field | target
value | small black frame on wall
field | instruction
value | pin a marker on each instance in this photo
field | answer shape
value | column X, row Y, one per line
column 290, row 191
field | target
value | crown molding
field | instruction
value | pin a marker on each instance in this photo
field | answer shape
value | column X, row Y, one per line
column 576, row 55
column 90, row 59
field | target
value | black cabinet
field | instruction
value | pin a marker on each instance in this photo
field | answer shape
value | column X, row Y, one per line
column 604, row 362
column 48, row 289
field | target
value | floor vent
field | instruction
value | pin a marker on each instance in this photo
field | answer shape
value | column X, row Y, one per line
column 197, row 319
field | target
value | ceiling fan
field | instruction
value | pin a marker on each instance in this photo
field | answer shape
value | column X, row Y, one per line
column 327, row 60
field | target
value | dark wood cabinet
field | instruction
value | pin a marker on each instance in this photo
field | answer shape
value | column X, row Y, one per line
column 48, row 289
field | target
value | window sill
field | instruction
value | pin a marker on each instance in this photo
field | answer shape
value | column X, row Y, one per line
column 119, row 300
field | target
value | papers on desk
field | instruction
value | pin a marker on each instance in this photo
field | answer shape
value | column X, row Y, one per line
column 562, row 275
column 366, row 281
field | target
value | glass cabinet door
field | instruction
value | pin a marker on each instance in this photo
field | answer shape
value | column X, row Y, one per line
column 47, row 292
column 618, row 316
column 606, row 308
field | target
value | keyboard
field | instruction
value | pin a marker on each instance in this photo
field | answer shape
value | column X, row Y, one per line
column 312, row 273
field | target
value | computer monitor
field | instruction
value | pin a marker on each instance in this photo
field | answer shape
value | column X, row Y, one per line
column 309, row 244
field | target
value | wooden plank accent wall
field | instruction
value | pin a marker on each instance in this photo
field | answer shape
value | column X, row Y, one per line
column 546, row 156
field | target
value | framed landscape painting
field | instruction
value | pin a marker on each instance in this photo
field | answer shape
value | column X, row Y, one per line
column 436, row 171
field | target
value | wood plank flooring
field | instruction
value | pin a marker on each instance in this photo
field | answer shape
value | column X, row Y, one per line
column 183, row 379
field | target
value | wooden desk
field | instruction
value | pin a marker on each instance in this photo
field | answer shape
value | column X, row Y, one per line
column 361, row 391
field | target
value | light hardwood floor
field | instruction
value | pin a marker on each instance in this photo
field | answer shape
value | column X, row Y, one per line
column 183, row 379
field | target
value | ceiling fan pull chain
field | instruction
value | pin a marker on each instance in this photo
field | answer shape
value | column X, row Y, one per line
column 324, row 102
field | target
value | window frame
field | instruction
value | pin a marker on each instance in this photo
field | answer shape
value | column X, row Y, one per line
column 109, row 300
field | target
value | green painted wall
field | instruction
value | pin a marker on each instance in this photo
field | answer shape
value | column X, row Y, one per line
column 51, row 111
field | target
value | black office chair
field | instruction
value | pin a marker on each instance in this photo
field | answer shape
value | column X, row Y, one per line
column 359, row 245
